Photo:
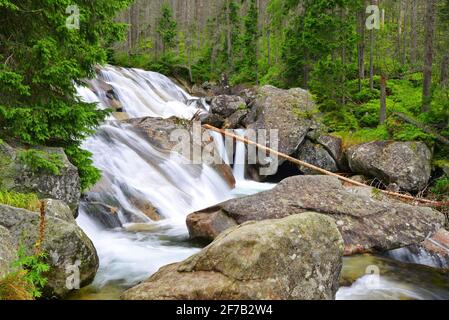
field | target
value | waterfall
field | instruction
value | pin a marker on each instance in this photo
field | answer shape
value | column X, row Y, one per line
column 136, row 176
column 418, row 255
column 240, row 157
column 148, row 94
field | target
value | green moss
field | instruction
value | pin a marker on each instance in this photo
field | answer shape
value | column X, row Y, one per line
column 242, row 106
column 362, row 136
column 376, row 193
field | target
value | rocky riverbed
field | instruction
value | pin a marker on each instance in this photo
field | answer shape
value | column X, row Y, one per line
column 287, row 242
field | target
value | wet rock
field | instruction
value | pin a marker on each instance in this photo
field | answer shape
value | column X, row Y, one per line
column 295, row 258
column 199, row 91
column 407, row 164
column 433, row 252
column 213, row 119
column 235, row 121
column 225, row 105
column 317, row 155
column 103, row 213
column 158, row 132
column 367, row 224
column 65, row 243
column 16, row 176
column 121, row 116
column 208, row 224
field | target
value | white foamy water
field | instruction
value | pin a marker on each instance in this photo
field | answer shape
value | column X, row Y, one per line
column 134, row 172
column 388, row 289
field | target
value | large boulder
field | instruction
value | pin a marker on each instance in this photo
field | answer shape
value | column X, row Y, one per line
column 70, row 251
column 225, row 105
column 295, row 258
column 367, row 223
column 406, row 164
column 285, row 110
column 16, row 176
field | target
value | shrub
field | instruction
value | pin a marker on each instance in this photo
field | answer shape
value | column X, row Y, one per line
column 40, row 161
column 89, row 175
column 33, row 266
column 441, row 187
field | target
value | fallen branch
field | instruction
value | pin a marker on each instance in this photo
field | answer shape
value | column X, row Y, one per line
column 323, row 171
column 423, row 127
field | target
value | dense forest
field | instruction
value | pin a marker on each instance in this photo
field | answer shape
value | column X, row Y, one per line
column 378, row 72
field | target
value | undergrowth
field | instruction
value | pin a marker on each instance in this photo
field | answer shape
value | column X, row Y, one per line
column 28, row 201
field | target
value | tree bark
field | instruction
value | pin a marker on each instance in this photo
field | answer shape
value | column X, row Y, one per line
column 428, row 56
column 444, row 75
column 383, row 99
column 229, row 32
column 414, row 33
column 371, row 59
column 361, row 46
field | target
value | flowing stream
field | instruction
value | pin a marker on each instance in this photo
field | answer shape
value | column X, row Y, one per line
column 135, row 174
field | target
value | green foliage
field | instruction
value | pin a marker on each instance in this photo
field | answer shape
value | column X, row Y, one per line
column 407, row 132
column 126, row 60
column 28, row 201
column 247, row 66
column 42, row 59
column 89, row 175
column 34, row 268
column 40, row 161
column 314, row 35
column 340, row 120
column 351, row 138
column 441, row 187
column 167, row 27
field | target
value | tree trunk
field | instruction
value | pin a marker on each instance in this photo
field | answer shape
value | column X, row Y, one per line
column 383, row 99
column 414, row 33
column 444, row 75
column 229, row 32
column 371, row 59
column 361, row 46
column 428, row 57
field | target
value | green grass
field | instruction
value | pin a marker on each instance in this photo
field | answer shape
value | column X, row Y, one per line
column 362, row 136
column 28, row 201
column 15, row 287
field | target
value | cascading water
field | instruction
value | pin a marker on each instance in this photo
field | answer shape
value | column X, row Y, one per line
column 136, row 177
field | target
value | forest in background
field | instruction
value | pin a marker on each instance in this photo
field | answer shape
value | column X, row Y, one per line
column 386, row 82
column 389, row 82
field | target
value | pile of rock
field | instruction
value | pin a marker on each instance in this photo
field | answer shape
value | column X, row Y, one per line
column 69, row 250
